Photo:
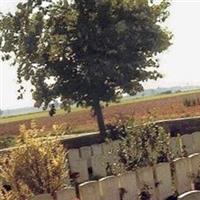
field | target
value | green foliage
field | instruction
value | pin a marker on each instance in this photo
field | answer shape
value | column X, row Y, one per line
column 167, row 92
column 7, row 142
column 191, row 102
column 144, row 145
column 87, row 51
column 35, row 166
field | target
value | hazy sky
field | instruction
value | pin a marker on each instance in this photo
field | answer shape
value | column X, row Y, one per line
column 180, row 65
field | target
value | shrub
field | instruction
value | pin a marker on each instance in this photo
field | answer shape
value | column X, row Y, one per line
column 191, row 102
column 7, row 142
column 143, row 145
column 36, row 166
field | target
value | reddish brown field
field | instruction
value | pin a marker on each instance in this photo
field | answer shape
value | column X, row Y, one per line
column 164, row 108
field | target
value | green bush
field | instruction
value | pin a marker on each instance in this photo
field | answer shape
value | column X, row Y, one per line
column 191, row 102
column 143, row 145
column 7, row 142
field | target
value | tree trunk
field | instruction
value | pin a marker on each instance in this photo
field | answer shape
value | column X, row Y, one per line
column 99, row 115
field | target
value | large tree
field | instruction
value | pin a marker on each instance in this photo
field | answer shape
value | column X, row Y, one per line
column 85, row 51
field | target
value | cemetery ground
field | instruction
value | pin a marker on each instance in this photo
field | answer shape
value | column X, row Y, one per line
column 168, row 106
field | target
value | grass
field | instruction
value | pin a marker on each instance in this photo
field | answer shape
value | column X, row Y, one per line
column 124, row 101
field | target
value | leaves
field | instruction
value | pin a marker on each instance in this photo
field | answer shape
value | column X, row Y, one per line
column 93, row 50
column 37, row 165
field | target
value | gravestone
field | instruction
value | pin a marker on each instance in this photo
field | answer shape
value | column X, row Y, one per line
column 128, row 182
column 193, row 195
column 109, row 188
column 196, row 140
column 97, row 149
column 66, row 194
column 98, row 166
column 43, row 197
column 86, row 154
column 183, row 180
column 187, row 141
column 80, row 166
column 73, row 155
column 89, row 191
column 146, row 178
column 164, row 180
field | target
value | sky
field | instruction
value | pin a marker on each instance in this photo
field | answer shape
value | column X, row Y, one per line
column 180, row 64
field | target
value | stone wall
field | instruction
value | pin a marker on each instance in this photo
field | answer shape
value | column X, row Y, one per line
column 174, row 126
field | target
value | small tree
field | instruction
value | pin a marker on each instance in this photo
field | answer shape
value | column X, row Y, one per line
column 52, row 110
column 144, row 144
column 86, row 51
column 35, row 166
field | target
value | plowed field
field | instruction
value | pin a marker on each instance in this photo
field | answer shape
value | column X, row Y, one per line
column 163, row 107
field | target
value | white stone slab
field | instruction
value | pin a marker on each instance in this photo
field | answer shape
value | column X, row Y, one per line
column 194, row 163
column 128, row 182
column 98, row 166
column 86, row 154
column 66, row 194
column 193, row 195
column 81, row 167
column 164, row 180
column 183, row 180
column 90, row 191
column 187, row 141
column 97, row 149
column 109, row 188
column 43, row 197
column 73, row 154
column 146, row 177
column 196, row 139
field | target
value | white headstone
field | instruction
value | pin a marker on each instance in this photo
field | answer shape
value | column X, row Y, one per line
column 107, row 148
column 187, row 141
column 196, row 139
column 73, row 154
column 146, row 178
column 90, row 191
column 194, row 163
column 128, row 182
column 182, row 175
column 98, row 166
column 97, row 149
column 43, row 197
column 86, row 154
column 109, row 188
column 164, row 180
column 80, row 166
column 193, row 195
column 66, row 194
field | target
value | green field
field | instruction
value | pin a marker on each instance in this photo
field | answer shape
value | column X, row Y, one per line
column 128, row 100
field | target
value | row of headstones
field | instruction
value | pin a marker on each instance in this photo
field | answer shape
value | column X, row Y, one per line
column 158, row 179
column 91, row 161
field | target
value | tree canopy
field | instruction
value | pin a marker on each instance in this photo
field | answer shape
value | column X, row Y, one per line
column 85, row 51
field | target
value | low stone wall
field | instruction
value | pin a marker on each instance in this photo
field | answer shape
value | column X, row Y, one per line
column 181, row 125
column 174, row 126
